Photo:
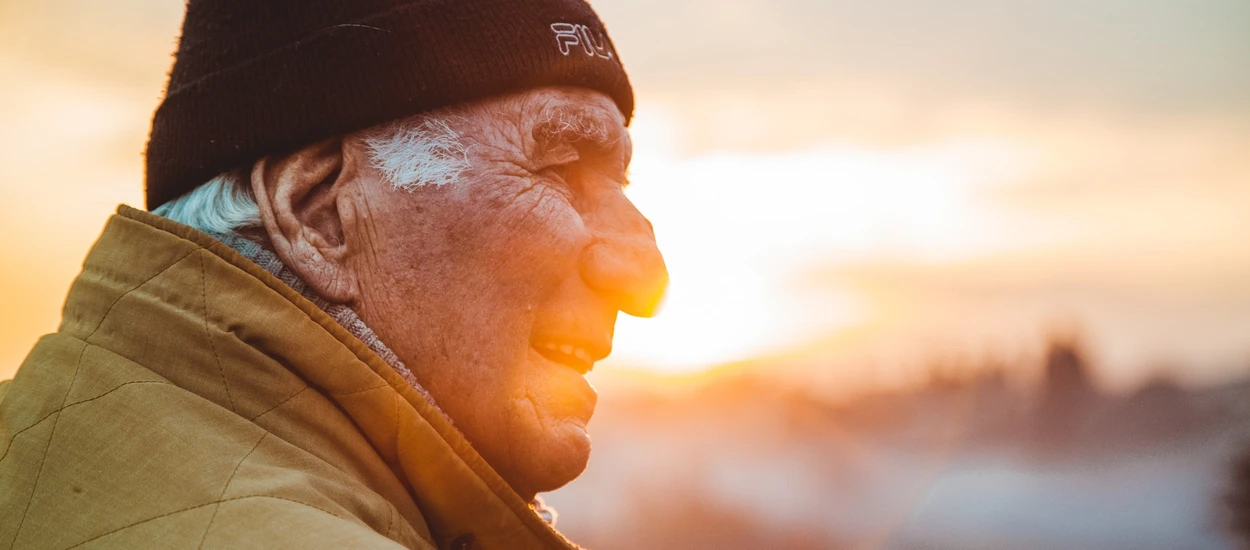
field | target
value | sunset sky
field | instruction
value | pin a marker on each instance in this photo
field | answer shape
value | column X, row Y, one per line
column 847, row 189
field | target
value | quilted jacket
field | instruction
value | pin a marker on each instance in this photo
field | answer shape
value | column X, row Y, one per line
column 191, row 400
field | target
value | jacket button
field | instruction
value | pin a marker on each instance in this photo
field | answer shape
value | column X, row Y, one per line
column 462, row 542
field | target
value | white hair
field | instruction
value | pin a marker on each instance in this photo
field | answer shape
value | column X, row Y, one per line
column 410, row 153
column 220, row 206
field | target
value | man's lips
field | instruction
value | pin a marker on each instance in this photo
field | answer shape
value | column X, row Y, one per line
column 577, row 354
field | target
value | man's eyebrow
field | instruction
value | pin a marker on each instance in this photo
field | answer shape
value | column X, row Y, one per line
column 573, row 124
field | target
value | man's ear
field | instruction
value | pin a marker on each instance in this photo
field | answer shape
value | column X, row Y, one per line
column 298, row 195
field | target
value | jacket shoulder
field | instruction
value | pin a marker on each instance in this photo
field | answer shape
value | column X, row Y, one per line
column 82, row 428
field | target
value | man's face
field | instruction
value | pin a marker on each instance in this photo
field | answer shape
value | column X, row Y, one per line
column 501, row 289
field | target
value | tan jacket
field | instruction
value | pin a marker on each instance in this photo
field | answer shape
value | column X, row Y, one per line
column 190, row 399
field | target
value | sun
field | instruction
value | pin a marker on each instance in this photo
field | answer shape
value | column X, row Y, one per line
column 739, row 232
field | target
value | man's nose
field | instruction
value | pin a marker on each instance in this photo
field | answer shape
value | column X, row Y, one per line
column 623, row 263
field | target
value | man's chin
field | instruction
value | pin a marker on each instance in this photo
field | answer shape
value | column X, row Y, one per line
column 553, row 460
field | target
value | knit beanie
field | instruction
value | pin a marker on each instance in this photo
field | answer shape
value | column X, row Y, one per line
column 253, row 78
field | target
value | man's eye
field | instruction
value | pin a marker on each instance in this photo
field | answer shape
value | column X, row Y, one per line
column 557, row 172
column 558, row 175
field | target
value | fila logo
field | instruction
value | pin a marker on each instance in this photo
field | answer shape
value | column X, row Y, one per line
column 569, row 35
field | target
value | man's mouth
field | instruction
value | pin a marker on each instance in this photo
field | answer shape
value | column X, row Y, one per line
column 578, row 356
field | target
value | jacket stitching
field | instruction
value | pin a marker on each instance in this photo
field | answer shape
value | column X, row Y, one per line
column 280, row 403
column 209, row 336
column 396, row 401
column 345, row 394
column 392, row 511
column 137, row 287
column 226, row 487
column 390, row 519
column 43, row 460
column 197, row 506
column 74, row 404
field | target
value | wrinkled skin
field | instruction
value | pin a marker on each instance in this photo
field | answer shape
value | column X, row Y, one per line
column 483, row 285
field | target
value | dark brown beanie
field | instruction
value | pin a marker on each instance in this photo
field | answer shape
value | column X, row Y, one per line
column 253, row 78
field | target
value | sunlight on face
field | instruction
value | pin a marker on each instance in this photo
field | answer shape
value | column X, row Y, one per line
column 741, row 231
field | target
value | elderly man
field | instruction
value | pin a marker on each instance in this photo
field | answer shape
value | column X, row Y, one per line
column 388, row 239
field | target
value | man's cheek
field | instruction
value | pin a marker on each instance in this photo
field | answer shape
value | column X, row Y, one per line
column 541, row 245
column 555, row 225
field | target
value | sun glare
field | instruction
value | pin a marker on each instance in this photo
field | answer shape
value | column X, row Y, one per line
column 740, row 231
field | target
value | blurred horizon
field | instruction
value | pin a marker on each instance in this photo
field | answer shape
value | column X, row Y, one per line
column 843, row 191
column 967, row 460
